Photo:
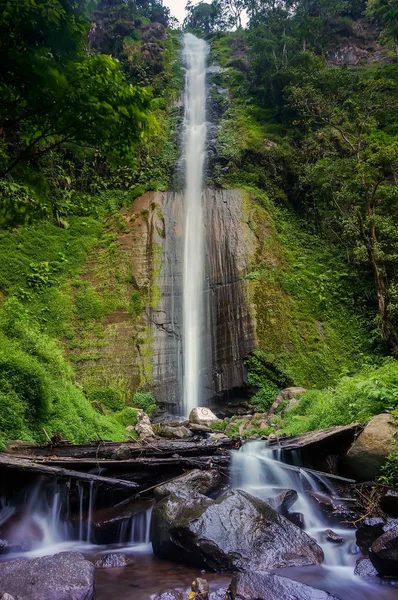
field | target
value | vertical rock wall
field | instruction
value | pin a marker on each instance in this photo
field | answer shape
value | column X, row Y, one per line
column 229, row 333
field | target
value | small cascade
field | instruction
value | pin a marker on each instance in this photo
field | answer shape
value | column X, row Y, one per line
column 51, row 516
column 258, row 469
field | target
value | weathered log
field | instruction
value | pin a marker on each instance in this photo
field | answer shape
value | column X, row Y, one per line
column 105, row 450
column 29, row 466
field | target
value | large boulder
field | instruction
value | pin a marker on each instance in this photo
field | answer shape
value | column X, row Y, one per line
column 201, row 482
column 369, row 452
column 368, row 531
column 64, row 576
column 384, row 553
column 202, row 416
column 236, row 532
column 270, row 586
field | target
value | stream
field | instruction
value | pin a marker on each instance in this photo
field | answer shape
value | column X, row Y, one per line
column 44, row 520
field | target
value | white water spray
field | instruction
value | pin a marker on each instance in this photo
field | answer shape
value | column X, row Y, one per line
column 195, row 51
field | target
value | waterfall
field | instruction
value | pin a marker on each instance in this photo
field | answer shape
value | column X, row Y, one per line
column 195, row 51
column 258, row 469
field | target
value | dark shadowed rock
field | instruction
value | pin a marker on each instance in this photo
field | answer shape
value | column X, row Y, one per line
column 281, row 501
column 201, row 482
column 384, row 553
column 270, row 586
column 297, row 518
column 237, row 532
column 111, row 561
column 64, row 576
column 368, row 531
column 389, row 503
column 331, row 536
column 364, row 568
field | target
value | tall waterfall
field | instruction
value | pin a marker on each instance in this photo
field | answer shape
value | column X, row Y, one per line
column 195, row 51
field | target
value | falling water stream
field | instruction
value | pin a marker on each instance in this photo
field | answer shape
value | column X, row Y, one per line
column 195, row 52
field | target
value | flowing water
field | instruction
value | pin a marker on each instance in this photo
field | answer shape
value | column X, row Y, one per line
column 195, row 52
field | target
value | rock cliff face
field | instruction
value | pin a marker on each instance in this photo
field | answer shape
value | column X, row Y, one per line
column 142, row 348
column 229, row 333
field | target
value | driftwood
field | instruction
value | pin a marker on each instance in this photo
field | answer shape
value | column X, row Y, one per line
column 36, row 468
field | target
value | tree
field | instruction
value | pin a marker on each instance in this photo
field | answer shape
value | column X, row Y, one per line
column 205, row 17
column 52, row 92
column 385, row 12
column 354, row 183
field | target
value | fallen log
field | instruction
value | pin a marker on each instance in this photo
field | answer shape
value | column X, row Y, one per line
column 36, row 468
column 105, row 450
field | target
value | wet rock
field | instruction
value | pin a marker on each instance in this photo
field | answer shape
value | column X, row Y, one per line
column 270, row 586
column 143, row 426
column 201, row 482
column 384, row 553
column 286, row 399
column 335, row 512
column 201, row 588
column 369, row 452
column 176, row 433
column 297, row 518
column 235, row 532
column 220, row 594
column 122, row 453
column 364, row 568
column 331, row 536
column 170, row 595
column 389, row 502
column 111, row 561
column 368, row 531
column 202, row 416
column 64, row 576
column 282, row 501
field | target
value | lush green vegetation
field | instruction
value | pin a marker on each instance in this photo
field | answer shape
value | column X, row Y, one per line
column 87, row 125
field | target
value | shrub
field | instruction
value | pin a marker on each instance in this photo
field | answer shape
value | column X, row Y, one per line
column 389, row 470
column 145, row 401
column 358, row 398
column 109, row 398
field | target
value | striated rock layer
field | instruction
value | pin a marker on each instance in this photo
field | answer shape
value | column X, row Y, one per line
column 229, row 333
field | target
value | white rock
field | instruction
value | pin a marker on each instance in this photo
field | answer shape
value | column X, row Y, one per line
column 143, row 426
column 202, row 416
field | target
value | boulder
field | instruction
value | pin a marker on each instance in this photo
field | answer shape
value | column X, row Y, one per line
column 368, row 531
column 286, row 399
column 236, row 532
column 7, row 597
column 297, row 518
column 364, row 568
column 389, row 502
column 369, row 452
column 64, row 576
column 270, row 586
column 201, row 482
column 111, row 561
column 384, row 553
column 202, row 416
column 143, row 426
